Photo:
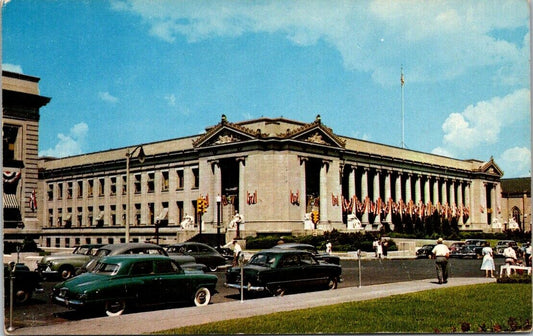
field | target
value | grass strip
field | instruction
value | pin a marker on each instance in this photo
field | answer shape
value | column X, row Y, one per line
column 476, row 308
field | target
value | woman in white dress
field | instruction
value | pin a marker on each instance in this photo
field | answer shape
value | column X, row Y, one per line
column 488, row 261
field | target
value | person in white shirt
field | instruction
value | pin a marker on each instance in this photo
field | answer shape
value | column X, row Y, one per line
column 236, row 252
column 441, row 253
column 510, row 255
column 328, row 247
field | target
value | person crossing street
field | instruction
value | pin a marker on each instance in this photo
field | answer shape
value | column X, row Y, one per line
column 441, row 253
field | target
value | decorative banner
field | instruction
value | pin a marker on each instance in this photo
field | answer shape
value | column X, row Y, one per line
column 251, row 198
column 334, row 200
column 295, row 198
column 11, row 177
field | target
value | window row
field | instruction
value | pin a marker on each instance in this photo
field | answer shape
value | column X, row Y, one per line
column 112, row 185
column 140, row 214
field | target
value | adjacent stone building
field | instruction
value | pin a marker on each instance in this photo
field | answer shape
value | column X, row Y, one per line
column 21, row 103
column 268, row 175
column 516, row 203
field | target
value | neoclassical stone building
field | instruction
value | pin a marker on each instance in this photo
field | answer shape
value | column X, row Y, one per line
column 273, row 174
column 21, row 103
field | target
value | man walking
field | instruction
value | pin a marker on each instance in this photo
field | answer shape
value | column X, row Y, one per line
column 441, row 253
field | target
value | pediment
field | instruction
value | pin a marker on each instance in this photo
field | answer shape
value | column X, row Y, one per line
column 225, row 133
column 491, row 168
column 315, row 133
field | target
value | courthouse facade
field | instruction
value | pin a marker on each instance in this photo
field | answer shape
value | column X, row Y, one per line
column 269, row 175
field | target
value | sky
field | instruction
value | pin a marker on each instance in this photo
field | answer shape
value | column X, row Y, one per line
column 127, row 72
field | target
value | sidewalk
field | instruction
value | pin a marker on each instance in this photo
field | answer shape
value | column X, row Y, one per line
column 152, row 321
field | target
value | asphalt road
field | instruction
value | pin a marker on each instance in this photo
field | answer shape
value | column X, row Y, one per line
column 39, row 311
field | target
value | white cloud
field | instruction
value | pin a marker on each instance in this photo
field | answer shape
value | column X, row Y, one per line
column 516, row 162
column 456, row 35
column 70, row 144
column 12, row 67
column 171, row 99
column 107, row 97
column 482, row 123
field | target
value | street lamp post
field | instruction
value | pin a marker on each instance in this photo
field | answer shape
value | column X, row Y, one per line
column 218, row 219
column 141, row 156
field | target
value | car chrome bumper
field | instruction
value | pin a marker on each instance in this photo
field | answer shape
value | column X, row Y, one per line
column 68, row 303
column 248, row 287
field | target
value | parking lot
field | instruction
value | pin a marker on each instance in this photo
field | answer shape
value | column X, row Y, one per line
column 39, row 311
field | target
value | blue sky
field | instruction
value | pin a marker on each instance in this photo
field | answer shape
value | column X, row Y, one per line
column 126, row 72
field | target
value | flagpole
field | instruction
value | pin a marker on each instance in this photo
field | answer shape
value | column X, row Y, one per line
column 403, row 115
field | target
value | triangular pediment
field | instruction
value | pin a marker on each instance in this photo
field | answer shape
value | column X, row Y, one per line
column 491, row 168
column 315, row 133
column 225, row 133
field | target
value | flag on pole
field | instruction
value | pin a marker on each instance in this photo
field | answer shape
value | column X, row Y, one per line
column 402, row 79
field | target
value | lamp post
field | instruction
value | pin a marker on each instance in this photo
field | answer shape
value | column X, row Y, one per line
column 218, row 219
column 141, row 156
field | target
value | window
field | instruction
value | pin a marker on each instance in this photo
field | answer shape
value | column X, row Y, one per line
column 101, row 186
column 90, row 215
column 113, row 215
column 137, row 184
column 113, row 186
column 151, row 213
column 290, row 261
column 196, row 178
column 124, row 185
column 151, row 182
column 164, row 181
column 165, row 266
column 90, row 188
column 12, row 143
column 50, row 217
column 60, row 191
column 69, row 190
column 80, row 189
column 50, row 192
column 179, row 208
column 59, row 217
column 141, row 268
column 137, row 213
column 179, row 181
column 79, row 217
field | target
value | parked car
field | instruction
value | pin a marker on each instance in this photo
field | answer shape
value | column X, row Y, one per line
column 202, row 253
column 187, row 262
column 25, row 283
column 121, row 281
column 466, row 251
column 456, row 246
column 502, row 245
column 277, row 270
column 332, row 259
column 476, row 246
column 425, row 251
column 65, row 265
column 226, row 252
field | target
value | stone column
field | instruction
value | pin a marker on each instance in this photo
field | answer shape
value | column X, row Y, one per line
column 468, row 201
column 460, row 201
column 351, row 181
column 375, row 184
column 217, row 189
column 388, row 193
column 398, row 186
column 324, row 191
column 436, row 190
column 303, row 187
column 242, row 185
column 364, row 193
column 418, row 189
column 426, row 190
column 443, row 190
column 408, row 191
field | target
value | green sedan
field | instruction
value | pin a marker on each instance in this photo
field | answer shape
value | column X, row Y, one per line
column 121, row 281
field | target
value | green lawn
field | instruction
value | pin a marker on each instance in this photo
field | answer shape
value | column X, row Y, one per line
column 477, row 308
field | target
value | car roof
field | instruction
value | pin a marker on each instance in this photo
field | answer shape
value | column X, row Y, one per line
column 188, row 243
column 283, row 251
column 292, row 245
column 128, row 258
column 128, row 246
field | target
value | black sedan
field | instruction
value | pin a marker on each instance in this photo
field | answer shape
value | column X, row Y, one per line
column 25, row 283
column 329, row 258
column 277, row 270
column 425, row 251
column 202, row 253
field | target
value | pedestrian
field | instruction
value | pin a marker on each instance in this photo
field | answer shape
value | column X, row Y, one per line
column 510, row 255
column 385, row 248
column 527, row 254
column 441, row 253
column 236, row 252
column 375, row 246
column 328, row 247
column 488, row 260
column 379, row 250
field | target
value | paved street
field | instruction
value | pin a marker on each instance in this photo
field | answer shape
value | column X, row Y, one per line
column 41, row 312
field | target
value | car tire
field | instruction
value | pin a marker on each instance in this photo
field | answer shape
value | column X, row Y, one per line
column 22, row 295
column 66, row 272
column 115, row 307
column 213, row 268
column 332, row 284
column 202, row 297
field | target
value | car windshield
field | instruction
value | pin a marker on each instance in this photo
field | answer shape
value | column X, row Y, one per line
column 102, row 252
column 262, row 260
column 105, row 268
